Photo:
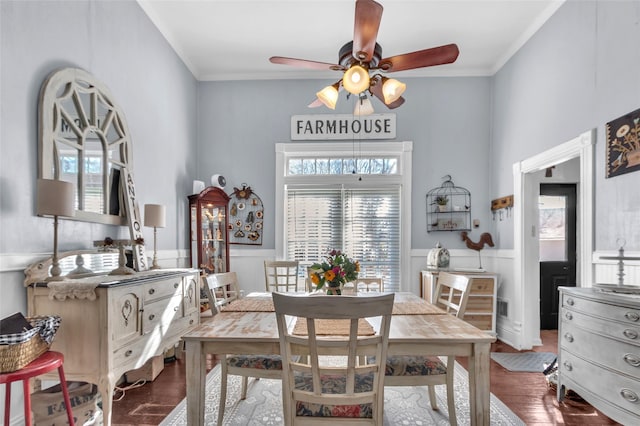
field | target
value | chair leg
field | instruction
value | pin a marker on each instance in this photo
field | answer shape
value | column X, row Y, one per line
column 451, row 404
column 65, row 394
column 7, row 403
column 432, row 397
column 27, row 402
column 223, row 388
column 245, row 382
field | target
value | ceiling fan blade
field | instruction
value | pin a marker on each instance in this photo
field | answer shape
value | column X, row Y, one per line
column 305, row 63
column 376, row 90
column 365, row 32
column 422, row 58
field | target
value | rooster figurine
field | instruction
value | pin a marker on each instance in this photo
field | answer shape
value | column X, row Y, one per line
column 485, row 238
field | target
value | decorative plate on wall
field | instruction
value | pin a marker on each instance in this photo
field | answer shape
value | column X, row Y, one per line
column 246, row 210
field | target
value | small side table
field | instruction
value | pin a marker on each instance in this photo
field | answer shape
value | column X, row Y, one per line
column 46, row 362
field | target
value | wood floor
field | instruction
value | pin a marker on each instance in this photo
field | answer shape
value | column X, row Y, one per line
column 526, row 394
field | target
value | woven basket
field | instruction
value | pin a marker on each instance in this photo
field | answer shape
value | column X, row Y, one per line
column 16, row 356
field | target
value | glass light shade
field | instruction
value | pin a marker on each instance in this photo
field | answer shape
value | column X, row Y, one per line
column 328, row 96
column 155, row 215
column 56, row 198
column 392, row 89
column 363, row 106
column 356, row 80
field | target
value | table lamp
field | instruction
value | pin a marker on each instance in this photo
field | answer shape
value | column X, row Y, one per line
column 55, row 198
column 155, row 216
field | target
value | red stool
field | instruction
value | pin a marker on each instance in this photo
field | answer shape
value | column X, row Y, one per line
column 46, row 362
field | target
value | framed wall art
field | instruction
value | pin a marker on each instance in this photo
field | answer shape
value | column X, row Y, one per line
column 623, row 144
column 246, row 217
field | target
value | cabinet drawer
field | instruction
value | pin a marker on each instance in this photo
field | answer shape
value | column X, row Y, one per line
column 480, row 304
column 629, row 333
column 161, row 313
column 134, row 355
column 600, row 309
column 482, row 286
column 162, row 288
column 617, row 389
column 619, row 356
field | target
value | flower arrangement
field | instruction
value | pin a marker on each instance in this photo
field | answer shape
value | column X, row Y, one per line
column 337, row 269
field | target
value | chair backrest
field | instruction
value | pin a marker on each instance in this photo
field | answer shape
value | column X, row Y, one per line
column 364, row 285
column 222, row 289
column 347, row 350
column 281, row 275
column 452, row 293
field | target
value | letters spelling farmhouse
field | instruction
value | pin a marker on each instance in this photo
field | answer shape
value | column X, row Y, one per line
column 343, row 126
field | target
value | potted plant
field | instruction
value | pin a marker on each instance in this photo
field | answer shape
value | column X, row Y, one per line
column 442, row 201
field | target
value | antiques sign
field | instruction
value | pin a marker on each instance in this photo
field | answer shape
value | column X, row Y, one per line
column 343, row 126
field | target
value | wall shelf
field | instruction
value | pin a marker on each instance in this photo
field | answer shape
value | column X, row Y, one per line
column 448, row 208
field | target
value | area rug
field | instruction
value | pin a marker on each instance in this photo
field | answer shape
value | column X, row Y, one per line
column 532, row 362
column 402, row 405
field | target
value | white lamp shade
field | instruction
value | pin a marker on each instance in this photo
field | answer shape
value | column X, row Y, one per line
column 155, row 215
column 56, row 198
column 363, row 106
column 356, row 80
column 328, row 96
column 392, row 89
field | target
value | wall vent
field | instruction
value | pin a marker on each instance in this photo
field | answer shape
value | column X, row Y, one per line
column 502, row 307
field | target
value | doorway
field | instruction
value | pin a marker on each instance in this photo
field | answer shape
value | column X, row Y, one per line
column 557, row 243
column 526, row 251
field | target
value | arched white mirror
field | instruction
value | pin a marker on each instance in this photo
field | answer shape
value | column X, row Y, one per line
column 84, row 139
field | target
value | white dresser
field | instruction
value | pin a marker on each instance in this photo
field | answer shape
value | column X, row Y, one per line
column 599, row 351
column 119, row 322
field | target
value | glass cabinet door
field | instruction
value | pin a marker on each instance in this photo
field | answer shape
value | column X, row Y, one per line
column 209, row 234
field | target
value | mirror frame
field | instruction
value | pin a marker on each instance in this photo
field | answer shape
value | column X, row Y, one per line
column 71, row 84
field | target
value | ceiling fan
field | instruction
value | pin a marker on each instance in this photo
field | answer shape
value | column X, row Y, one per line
column 363, row 55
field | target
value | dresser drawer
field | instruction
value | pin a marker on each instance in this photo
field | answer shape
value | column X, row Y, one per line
column 161, row 313
column 163, row 288
column 133, row 356
column 629, row 333
column 617, row 389
column 600, row 309
column 613, row 354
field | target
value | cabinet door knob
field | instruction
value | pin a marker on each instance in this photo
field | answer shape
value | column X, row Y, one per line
column 570, row 301
column 568, row 316
column 568, row 366
column 128, row 353
column 632, row 316
column 176, row 309
column 629, row 395
column 632, row 360
column 152, row 290
column 191, row 322
column 568, row 337
column 176, row 285
column 151, row 317
column 631, row 334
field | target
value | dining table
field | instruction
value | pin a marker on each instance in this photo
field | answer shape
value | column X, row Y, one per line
column 248, row 326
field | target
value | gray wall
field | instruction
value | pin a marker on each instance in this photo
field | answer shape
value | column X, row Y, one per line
column 446, row 118
column 578, row 72
column 118, row 44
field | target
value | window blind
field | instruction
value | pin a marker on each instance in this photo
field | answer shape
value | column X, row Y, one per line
column 364, row 223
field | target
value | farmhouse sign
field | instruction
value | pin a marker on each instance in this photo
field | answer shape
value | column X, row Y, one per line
column 343, row 126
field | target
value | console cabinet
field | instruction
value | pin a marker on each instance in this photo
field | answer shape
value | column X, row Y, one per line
column 599, row 351
column 130, row 320
column 481, row 305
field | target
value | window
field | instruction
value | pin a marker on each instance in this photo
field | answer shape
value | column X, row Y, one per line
column 326, row 205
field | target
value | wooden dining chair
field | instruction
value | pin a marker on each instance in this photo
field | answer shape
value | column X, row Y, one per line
column 223, row 289
column 452, row 293
column 281, row 275
column 325, row 390
column 364, row 285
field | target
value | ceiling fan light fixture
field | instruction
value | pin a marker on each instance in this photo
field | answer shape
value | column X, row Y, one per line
column 363, row 106
column 356, row 79
column 392, row 89
column 329, row 95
